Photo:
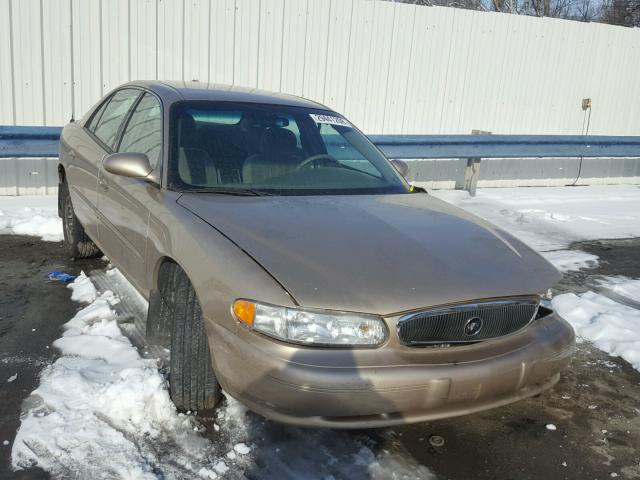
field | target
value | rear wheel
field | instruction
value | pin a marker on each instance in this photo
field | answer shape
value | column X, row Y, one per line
column 76, row 240
column 194, row 385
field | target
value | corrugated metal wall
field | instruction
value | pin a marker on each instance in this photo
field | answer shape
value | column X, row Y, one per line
column 391, row 68
column 28, row 176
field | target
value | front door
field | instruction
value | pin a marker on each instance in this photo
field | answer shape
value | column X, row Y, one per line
column 124, row 202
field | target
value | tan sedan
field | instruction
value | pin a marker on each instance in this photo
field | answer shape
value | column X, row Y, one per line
column 288, row 262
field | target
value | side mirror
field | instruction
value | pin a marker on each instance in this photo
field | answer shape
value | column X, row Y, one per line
column 401, row 167
column 133, row 165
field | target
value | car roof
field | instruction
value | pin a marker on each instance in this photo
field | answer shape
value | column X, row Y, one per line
column 222, row 93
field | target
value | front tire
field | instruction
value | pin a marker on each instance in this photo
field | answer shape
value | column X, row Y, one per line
column 76, row 240
column 193, row 383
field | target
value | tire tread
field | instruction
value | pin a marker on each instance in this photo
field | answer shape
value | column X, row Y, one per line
column 193, row 382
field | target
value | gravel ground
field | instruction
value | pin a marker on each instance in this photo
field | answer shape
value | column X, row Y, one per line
column 595, row 408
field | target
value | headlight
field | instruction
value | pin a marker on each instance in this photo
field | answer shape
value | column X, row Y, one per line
column 311, row 327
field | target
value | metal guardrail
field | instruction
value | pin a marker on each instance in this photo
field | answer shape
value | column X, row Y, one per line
column 476, row 147
column 505, row 146
column 16, row 142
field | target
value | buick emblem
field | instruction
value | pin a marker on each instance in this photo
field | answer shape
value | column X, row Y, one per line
column 473, row 326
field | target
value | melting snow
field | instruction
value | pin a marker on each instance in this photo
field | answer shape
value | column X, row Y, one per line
column 549, row 219
column 611, row 327
column 623, row 286
column 35, row 215
column 568, row 260
column 241, row 448
column 101, row 410
column 82, row 290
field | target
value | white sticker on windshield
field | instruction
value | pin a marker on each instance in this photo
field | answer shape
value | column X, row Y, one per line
column 330, row 119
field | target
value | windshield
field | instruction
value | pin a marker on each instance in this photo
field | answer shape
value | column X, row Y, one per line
column 273, row 150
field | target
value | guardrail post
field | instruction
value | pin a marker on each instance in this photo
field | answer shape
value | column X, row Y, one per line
column 472, row 172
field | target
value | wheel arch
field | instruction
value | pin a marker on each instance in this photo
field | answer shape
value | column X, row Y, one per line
column 158, row 269
column 159, row 322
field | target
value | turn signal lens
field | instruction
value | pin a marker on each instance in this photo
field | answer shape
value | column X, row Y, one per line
column 245, row 311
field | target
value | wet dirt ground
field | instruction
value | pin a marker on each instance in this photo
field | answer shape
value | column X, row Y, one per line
column 595, row 407
column 32, row 310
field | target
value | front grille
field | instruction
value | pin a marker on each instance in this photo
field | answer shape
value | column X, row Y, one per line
column 467, row 323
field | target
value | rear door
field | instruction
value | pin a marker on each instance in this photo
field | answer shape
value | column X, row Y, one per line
column 83, row 153
column 124, row 202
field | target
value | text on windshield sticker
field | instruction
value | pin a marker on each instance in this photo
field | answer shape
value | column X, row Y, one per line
column 330, row 119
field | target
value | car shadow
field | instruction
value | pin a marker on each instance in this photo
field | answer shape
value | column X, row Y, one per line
column 288, row 452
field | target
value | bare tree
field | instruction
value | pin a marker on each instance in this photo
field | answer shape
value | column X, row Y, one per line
column 467, row 4
column 588, row 10
column 617, row 12
column 622, row 12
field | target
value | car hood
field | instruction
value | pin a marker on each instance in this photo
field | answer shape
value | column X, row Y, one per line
column 380, row 254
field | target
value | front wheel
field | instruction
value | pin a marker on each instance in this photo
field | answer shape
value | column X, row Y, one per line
column 76, row 240
column 193, row 383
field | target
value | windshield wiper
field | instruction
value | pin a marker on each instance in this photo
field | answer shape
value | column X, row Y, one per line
column 246, row 192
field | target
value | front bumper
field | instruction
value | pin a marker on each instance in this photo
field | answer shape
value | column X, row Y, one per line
column 390, row 385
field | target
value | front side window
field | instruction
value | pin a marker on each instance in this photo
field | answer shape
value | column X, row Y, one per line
column 112, row 115
column 275, row 150
column 143, row 133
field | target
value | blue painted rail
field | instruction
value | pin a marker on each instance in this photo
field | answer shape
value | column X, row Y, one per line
column 43, row 142
column 38, row 142
column 505, row 146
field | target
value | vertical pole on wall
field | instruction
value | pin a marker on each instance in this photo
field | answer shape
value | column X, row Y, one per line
column 472, row 172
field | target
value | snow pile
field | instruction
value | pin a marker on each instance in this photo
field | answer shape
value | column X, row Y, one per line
column 570, row 260
column 82, row 290
column 102, row 411
column 31, row 215
column 551, row 218
column 612, row 327
column 623, row 286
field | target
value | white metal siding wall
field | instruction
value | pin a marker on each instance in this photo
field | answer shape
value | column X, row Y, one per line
column 28, row 176
column 390, row 68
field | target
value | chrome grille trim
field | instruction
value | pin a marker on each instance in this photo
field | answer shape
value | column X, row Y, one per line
column 446, row 324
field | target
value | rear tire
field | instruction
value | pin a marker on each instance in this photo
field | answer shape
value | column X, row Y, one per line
column 193, row 383
column 76, row 240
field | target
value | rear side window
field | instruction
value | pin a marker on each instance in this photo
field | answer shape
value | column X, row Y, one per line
column 143, row 133
column 112, row 115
